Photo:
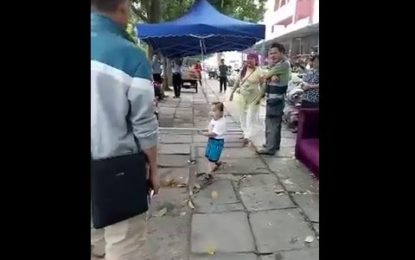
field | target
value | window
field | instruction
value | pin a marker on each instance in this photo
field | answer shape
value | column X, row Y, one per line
column 280, row 3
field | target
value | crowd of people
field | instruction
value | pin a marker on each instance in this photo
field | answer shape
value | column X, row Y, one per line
column 271, row 82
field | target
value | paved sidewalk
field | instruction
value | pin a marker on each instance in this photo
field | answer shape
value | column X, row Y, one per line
column 258, row 208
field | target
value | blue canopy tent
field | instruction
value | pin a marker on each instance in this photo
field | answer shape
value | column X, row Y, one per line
column 203, row 30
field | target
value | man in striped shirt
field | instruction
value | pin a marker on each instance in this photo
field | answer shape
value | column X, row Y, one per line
column 277, row 83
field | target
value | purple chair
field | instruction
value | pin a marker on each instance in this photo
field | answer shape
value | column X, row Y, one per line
column 307, row 146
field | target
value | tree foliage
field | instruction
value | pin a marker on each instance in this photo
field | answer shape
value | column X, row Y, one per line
column 153, row 11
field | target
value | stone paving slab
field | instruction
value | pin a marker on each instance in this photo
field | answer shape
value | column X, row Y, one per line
column 174, row 200
column 287, row 142
column 185, row 116
column 227, row 145
column 259, row 192
column 244, row 152
column 166, row 122
column 168, row 238
column 277, row 230
column 288, row 134
column 172, row 160
column 285, row 152
column 224, row 233
column 236, row 166
column 225, row 202
column 260, row 180
column 185, row 125
column 264, row 198
column 294, row 176
column 179, row 122
column 180, row 175
column 309, row 203
column 183, row 149
column 304, row 254
column 175, row 139
column 231, row 152
column 225, row 257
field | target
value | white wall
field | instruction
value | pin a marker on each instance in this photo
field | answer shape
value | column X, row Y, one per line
column 271, row 17
column 316, row 11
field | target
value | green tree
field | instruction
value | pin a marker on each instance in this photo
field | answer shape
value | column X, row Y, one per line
column 154, row 11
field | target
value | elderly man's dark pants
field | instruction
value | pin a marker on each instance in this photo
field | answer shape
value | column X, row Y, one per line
column 273, row 123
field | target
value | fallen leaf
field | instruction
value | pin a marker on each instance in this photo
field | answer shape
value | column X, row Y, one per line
column 211, row 250
column 288, row 182
column 181, row 185
column 214, row 195
column 166, row 181
column 278, row 191
column 309, row 239
column 190, row 204
column 197, row 186
column 174, row 183
column 160, row 213
column 183, row 213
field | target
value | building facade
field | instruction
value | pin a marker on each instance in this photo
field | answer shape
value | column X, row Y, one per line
column 294, row 23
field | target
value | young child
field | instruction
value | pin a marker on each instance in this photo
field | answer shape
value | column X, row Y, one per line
column 216, row 131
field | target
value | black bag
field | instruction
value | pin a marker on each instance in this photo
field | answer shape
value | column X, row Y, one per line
column 118, row 189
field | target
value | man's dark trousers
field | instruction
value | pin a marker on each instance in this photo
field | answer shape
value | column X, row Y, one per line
column 222, row 82
column 273, row 123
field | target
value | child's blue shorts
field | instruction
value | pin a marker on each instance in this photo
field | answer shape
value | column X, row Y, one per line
column 214, row 149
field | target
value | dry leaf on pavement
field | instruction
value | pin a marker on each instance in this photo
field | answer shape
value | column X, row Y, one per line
column 160, row 213
column 190, row 204
column 288, row 182
column 214, row 195
column 211, row 250
column 309, row 239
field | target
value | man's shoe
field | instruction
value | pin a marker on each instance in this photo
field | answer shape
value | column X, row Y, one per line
column 265, row 152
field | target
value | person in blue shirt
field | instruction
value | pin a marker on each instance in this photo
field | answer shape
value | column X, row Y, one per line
column 122, row 112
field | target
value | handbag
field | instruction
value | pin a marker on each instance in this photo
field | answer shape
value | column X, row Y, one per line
column 119, row 189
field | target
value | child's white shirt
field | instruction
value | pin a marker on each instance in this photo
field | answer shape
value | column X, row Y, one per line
column 218, row 127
